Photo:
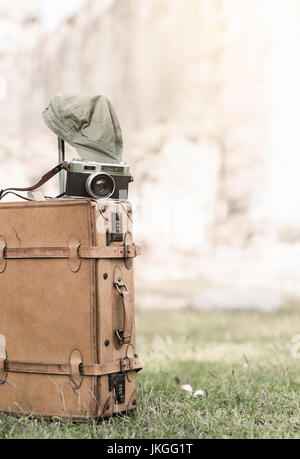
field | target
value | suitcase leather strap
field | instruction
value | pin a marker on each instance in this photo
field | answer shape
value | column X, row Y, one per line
column 73, row 253
column 65, row 369
column 75, row 368
column 7, row 253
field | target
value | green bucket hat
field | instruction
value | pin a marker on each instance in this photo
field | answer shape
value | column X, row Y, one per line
column 87, row 122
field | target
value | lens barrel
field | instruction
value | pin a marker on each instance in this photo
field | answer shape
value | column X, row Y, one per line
column 100, row 185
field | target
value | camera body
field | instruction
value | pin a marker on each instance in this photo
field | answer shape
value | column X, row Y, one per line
column 98, row 180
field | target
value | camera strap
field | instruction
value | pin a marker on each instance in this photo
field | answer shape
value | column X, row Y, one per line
column 45, row 178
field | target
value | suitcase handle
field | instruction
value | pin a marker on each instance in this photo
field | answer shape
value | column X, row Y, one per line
column 123, row 336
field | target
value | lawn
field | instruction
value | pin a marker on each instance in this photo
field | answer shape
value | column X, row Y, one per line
column 242, row 361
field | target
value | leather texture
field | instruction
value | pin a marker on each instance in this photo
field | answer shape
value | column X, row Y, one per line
column 59, row 309
column 7, row 253
column 75, row 368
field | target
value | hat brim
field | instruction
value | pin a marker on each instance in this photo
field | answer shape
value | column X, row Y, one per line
column 95, row 156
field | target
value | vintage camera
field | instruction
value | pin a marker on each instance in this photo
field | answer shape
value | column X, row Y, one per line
column 98, row 180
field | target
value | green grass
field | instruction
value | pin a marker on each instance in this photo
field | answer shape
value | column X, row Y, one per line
column 241, row 360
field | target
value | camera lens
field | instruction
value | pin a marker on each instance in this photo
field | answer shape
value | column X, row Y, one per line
column 100, row 185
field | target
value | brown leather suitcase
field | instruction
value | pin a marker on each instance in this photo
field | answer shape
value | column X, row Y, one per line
column 67, row 336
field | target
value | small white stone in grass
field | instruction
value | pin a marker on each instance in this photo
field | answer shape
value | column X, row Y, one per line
column 199, row 393
column 187, row 388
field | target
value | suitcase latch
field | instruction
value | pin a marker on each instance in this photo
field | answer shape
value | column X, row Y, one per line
column 117, row 384
column 116, row 232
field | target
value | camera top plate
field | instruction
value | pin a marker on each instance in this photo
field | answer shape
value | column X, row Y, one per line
column 89, row 167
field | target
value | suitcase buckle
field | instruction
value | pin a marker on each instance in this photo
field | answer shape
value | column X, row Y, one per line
column 122, row 363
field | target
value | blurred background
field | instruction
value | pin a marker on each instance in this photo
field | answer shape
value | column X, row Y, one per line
column 208, row 96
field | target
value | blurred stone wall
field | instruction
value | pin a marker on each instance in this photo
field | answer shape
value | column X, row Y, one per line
column 203, row 90
column 177, row 69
